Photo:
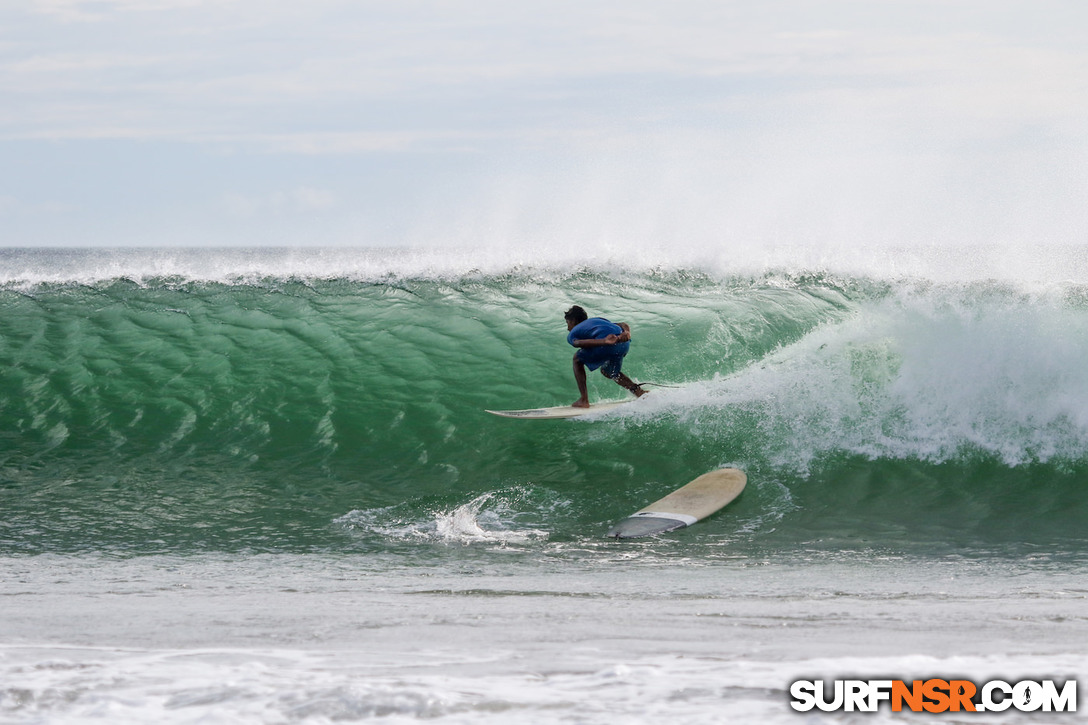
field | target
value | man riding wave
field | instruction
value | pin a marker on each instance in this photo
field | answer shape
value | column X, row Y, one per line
column 601, row 344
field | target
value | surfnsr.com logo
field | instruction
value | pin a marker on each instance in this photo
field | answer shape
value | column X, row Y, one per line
column 934, row 695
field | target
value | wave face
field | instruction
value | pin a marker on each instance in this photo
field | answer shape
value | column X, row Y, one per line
column 143, row 408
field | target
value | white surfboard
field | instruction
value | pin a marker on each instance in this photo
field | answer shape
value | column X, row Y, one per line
column 684, row 506
column 559, row 411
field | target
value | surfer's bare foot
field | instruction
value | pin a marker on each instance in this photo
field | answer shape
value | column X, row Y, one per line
column 580, row 403
column 638, row 391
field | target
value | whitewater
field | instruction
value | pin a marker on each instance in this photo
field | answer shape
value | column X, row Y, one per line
column 260, row 485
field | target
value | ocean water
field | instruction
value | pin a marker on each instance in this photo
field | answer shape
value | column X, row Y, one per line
column 260, row 485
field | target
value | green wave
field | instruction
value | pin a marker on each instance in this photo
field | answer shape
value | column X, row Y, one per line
column 298, row 412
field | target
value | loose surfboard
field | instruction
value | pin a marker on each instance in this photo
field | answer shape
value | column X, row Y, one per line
column 684, row 506
column 559, row 411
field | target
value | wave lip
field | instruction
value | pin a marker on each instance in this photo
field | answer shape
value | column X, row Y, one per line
column 1032, row 266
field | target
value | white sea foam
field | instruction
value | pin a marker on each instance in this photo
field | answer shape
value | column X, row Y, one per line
column 470, row 523
column 314, row 639
column 233, row 686
column 489, row 518
column 926, row 375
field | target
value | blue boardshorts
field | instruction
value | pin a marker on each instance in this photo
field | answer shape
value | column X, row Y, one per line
column 609, row 359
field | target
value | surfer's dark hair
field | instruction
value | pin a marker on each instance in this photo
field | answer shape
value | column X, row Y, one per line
column 576, row 313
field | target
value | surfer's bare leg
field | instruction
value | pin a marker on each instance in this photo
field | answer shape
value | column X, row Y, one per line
column 580, row 378
column 626, row 382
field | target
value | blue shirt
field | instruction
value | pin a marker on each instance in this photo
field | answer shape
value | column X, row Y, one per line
column 595, row 328
column 607, row 357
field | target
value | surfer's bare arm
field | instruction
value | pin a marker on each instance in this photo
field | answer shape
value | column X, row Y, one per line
column 624, row 336
column 602, row 342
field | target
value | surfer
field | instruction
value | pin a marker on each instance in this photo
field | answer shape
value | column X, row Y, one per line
column 601, row 344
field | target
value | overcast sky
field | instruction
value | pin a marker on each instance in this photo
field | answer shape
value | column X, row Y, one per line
column 332, row 122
